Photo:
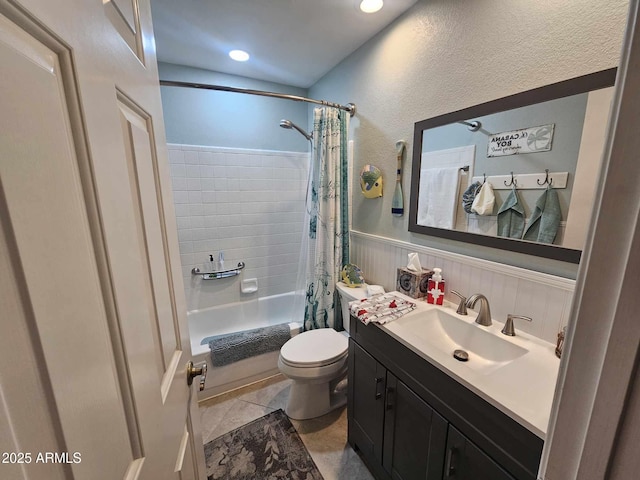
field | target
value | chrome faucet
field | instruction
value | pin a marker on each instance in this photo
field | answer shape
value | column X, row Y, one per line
column 484, row 315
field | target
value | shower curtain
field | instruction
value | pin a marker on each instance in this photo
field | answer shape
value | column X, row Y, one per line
column 325, row 241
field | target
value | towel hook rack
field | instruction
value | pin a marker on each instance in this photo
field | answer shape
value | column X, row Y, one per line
column 547, row 180
column 484, row 178
column 514, row 182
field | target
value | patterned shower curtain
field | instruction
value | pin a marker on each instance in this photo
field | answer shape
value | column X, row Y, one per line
column 325, row 242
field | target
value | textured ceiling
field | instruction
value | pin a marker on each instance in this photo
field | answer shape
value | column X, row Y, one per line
column 294, row 42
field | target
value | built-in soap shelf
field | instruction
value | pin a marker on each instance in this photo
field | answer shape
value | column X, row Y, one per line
column 221, row 274
column 249, row 285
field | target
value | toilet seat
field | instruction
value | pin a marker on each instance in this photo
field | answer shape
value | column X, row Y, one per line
column 314, row 348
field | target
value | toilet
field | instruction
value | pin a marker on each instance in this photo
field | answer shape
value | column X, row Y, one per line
column 316, row 361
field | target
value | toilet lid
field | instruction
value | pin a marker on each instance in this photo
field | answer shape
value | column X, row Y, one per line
column 315, row 348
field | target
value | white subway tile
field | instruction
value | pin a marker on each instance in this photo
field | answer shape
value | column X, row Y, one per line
column 183, row 222
column 176, row 156
column 180, row 197
column 206, row 171
column 208, row 197
column 197, row 222
column 195, row 197
column 178, row 183
column 193, row 184
column 182, row 210
column 178, row 171
column 185, row 235
column 191, row 157
column 192, row 171
column 195, row 209
column 205, row 158
column 210, row 209
column 220, row 183
column 208, row 184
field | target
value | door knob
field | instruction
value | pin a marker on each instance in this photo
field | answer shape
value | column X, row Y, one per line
column 193, row 372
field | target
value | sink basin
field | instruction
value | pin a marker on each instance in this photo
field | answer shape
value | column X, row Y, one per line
column 447, row 333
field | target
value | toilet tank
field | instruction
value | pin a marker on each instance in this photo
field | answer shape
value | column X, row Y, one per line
column 348, row 294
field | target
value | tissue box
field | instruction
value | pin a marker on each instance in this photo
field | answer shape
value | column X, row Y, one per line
column 413, row 284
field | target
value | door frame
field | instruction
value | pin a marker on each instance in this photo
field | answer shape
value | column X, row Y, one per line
column 594, row 423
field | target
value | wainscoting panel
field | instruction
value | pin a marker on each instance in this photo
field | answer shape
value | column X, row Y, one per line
column 543, row 297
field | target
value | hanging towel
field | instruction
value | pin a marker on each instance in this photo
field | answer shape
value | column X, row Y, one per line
column 484, row 201
column 545, row 220
column 469, row 196
column 438, row 198
column 380, row 308
column 511, row 217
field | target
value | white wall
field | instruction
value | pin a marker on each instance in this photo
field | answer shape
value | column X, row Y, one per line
column 445, row 55
column 248, row 204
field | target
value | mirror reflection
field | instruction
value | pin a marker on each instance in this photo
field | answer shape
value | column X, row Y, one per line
column 522, row 178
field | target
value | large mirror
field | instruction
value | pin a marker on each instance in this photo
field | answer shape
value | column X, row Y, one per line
column 539, row 153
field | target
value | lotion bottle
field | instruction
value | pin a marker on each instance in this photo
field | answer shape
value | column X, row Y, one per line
column 221, row 261
column 435, row 290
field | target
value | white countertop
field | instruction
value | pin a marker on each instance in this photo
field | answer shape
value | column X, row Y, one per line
column 523, row 388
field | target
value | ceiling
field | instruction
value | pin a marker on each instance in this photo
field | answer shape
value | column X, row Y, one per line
column 294, row 42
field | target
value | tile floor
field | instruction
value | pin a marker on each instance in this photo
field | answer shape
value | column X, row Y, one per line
column 325, row 437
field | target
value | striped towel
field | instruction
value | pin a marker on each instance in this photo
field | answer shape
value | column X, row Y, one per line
column 381, row 308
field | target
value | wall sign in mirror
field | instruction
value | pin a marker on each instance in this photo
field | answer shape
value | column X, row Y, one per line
column 518, row 173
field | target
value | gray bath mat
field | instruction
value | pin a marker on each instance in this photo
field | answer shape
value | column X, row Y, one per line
column 267, row 448
column 229, row 348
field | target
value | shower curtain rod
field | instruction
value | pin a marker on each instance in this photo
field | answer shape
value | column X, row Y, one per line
column 350, row 107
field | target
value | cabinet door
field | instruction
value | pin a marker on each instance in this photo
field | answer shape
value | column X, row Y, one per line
column 414, row 435
column 366, row 403
column 465, row 461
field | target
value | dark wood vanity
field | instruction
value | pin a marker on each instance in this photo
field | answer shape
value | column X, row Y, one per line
column 410, row 420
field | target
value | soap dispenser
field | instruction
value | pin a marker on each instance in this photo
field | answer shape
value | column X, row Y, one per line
column 435, row 290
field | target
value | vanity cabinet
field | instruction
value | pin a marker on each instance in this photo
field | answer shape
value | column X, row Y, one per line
column 465, row 461
column 394, row 429
column 409, row 420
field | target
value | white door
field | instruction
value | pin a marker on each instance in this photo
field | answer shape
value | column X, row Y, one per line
column 93, row 341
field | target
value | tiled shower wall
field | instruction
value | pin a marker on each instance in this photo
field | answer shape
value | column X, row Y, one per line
column 545, row 298
column 248, row 204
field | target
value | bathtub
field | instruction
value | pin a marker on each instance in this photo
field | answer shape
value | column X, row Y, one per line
column 235, row 317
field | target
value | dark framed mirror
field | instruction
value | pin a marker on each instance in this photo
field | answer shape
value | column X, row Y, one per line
column 545, row 144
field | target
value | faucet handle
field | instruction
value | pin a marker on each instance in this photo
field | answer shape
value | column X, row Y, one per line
column 508, row 326
column 462, row 307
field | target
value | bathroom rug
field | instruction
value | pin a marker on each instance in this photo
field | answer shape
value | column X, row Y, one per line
column 267, row 448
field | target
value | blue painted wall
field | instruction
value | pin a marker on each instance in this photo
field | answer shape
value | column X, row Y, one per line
column 223, row 119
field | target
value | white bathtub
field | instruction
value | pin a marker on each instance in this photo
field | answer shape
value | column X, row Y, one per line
column 235, row 317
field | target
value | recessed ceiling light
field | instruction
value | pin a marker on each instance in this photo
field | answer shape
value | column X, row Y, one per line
column 239, row 55
column 370, row 6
